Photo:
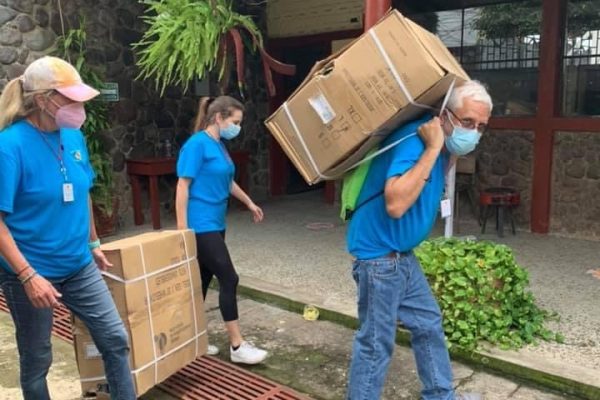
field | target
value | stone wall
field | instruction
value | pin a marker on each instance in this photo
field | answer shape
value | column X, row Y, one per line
column 505, row 158
column 142, row 119
column 25, row 34
column 254, row 137
column 576, row 185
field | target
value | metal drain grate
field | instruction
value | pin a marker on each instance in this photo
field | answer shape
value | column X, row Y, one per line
column 206, row 378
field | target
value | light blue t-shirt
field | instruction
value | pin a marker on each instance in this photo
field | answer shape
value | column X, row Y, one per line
column 52, row 234
column 372, row 233
column 207, row 163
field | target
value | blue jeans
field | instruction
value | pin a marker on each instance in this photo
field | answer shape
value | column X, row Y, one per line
column 392, row 289
column 85, row 293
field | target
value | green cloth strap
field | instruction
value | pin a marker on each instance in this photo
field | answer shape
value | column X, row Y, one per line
column 352, row 185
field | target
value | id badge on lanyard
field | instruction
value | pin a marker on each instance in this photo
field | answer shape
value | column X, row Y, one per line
column 68, row 194
column 67, row 187
column 446, row 208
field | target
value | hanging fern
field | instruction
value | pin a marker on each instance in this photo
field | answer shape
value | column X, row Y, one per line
column 188, row 38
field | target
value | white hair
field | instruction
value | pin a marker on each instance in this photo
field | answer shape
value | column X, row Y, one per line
column 472, row 89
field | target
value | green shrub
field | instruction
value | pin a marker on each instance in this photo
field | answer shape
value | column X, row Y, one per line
column 72, row 47
column 483, row 294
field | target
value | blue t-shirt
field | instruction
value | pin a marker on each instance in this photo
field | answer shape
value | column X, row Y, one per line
column 207, row 163
column 52, row 234
column 372, row 233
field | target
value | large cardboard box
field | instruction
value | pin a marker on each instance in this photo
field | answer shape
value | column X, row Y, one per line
column 155, row 283
column 351, row 101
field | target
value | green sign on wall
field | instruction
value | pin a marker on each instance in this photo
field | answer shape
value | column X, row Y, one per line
column 110, row 92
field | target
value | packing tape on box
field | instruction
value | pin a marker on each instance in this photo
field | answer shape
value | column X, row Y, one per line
column 312, row 160
column 150, row 275
column 397, row 142
column 155, row 362
column 395, row 73
column 145, row 277
column 189, row 270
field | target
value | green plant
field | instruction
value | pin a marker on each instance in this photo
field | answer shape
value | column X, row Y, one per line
column 72, row 46
column 483, row 294
column 186, row 39
column 520, row 19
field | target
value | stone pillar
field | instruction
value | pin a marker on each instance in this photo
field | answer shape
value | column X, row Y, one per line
column 575, row 207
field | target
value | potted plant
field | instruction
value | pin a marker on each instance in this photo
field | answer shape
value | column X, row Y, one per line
column 186, row 39
column 71, row 46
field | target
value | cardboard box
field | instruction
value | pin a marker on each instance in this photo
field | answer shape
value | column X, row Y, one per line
column 350, row 101
column 155, row 283
column 293, row 18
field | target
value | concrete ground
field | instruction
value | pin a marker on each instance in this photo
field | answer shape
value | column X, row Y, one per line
column 311, row 357
column 284, row 253
column 299, row 253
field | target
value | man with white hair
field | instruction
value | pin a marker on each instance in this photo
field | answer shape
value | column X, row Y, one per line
column 396, row 210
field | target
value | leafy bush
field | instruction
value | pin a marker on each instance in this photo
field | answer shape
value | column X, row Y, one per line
column 483, row 294
column 72, row 47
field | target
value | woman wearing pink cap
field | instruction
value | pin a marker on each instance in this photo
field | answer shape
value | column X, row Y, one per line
column 49, row 250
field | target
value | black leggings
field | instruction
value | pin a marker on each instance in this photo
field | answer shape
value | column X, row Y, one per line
column 214, row 260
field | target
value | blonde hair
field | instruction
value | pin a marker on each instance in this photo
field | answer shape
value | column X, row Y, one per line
column 209, row 107
column 15, row 103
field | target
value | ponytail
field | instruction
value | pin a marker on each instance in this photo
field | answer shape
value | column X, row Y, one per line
column 11, row 103
column 209, row 107
column 200, row 122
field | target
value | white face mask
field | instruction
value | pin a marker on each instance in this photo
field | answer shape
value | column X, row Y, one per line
column 230, row 132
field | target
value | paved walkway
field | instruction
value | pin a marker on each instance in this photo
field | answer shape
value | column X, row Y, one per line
column 285, row 252
column 298, row 252
column 311, row 357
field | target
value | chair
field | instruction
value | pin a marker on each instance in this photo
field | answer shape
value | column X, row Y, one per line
column 500, row 199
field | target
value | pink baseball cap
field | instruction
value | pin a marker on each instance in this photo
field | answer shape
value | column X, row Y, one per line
column 52, row 73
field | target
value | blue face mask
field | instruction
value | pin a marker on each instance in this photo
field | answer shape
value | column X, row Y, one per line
column 230, row 132
column 462, row 141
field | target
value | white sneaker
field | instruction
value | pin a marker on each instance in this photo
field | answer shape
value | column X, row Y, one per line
column 212, row 350
column 247, row 354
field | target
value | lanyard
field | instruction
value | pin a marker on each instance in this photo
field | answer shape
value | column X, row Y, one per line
column 58, row 155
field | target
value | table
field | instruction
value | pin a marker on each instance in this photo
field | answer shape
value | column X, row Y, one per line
column 155, row 167
column 152, row 168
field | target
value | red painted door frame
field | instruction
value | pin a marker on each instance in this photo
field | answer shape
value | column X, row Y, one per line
column 374, row 10
column 548, row 119
column 277, row 158
column 278, row 163
column 549, row 84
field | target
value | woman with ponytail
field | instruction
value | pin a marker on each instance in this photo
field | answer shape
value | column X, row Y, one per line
column 205, row 184
column 49, row 250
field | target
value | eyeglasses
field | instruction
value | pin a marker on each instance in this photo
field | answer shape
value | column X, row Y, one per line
column 468, row 123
